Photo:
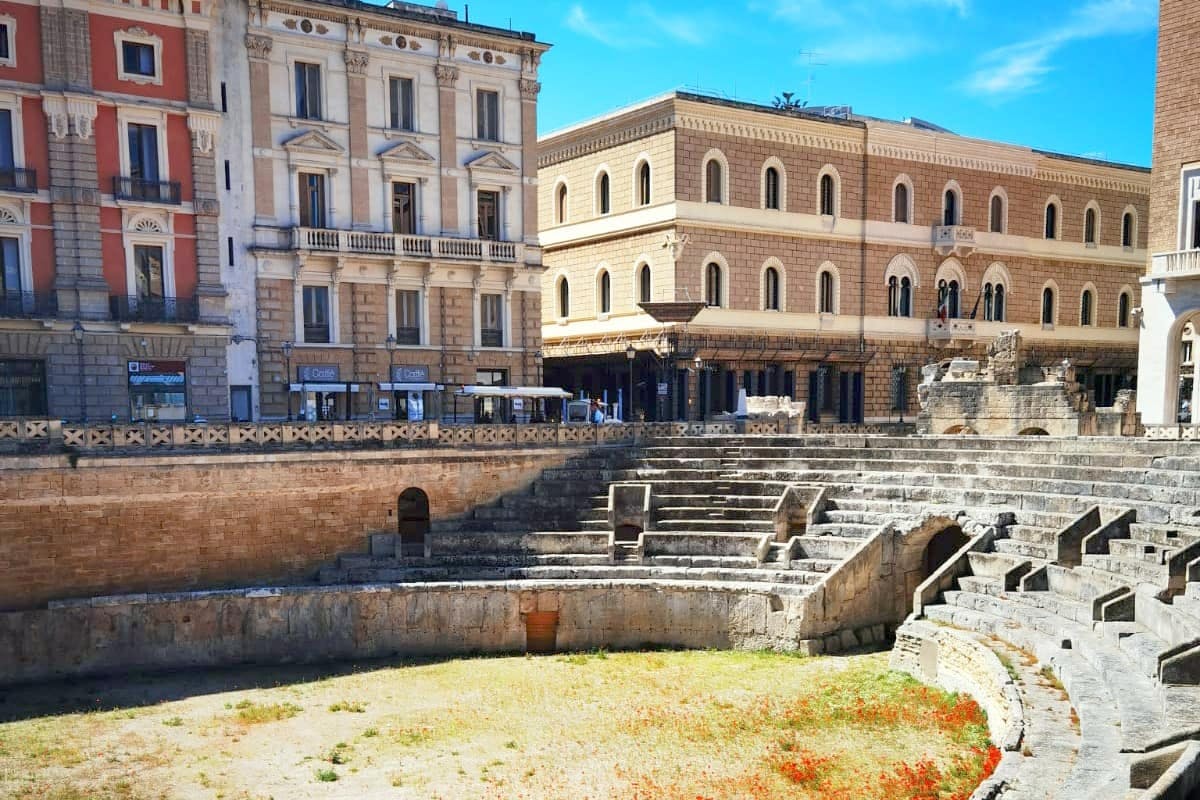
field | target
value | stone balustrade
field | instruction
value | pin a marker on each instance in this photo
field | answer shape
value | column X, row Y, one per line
column 26, row 434
column 379, row 243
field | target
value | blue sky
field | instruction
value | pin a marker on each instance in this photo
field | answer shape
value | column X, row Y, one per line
column 1072, row 76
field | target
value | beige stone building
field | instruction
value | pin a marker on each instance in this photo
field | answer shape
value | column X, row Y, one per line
column 832, row 256
column 395, row 213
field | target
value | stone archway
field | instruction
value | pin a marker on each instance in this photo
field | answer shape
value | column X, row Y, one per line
column 1034, row 432
column 941, row 548
column 960, row 430
column 928, row 543
column 412, row 521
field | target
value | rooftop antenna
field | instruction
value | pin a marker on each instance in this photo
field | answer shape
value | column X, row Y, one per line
column 811, row 57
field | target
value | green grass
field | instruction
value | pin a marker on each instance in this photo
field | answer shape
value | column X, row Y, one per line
column 248, row 713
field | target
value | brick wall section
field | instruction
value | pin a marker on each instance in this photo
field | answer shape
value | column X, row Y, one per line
column 191, row 522
column 1176, row 117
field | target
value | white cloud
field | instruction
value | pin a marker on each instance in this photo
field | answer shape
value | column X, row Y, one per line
column 1018, row 68
column 684, row 28
column 640, row 26
column 579, row 21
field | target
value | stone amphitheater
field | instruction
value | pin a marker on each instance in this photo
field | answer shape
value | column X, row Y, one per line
column 984, row 563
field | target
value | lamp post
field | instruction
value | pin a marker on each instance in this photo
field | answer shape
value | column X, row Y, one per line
column 77, row 333
column 286, row 347
column 630, row 355
column 391, row 348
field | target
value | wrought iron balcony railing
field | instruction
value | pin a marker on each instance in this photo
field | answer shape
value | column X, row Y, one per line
column 491, row 338
column 28, row 305
column 17, row 179
column 144, row 191
column 410, row 336
column 154, row 309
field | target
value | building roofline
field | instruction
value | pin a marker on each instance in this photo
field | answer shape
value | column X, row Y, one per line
column 431, row 18
column 1095, row 162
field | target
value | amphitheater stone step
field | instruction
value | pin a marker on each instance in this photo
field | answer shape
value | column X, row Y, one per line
column 1127, row 569
column 843, row 530
column 1022, row 549
column 1165, row 535
column 1140, row 550
column 833, row 548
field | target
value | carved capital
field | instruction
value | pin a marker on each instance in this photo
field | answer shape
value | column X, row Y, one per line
column 204, row 130
column 356, row 61
column 81, row 115
column 447, row 75
column 530, row 89
column 259, row 46
column 56, row 116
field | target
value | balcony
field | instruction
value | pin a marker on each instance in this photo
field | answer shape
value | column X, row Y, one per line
column 154, row 309
column 945, row 330
column 28, row 305
column 16, row 179
column 142, row 191
column 489, row 337
column 957, row 240
column 1179, row 265
column 408, row 336
column 328, row 240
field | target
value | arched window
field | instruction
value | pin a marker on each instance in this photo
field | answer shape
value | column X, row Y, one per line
column 1051, row 221
column 771, row 189
column 996, row 215
column 644, row 284
column 644, row 184
column 1123, row 310
column 900, row 202
column 950, row 208
column 905, row 297
column 712, row 286
column 948, row 299
column 1127, row 230
column 827, row 299
column 604, row 201
column 564, row 298
column 713, row 177
column 771, row 289
column 1047, row 306
column 1085, row 307
column 560, row 204
column 989, row 298
column 1089, row 226
column 828, row 205
column 893, row 297
column 605, row 292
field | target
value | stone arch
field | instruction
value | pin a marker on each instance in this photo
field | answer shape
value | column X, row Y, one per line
column 413, row 521
column 1034, row 432
column 960, row 430
column 928, row 544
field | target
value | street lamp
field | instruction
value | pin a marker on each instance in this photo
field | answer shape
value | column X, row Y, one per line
column 391, row 348
column 286, row 347
column 630, row 355
column 77, row 332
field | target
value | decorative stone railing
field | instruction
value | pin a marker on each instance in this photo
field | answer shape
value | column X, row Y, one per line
column 1187, row 433
column 1180, row 264
column 330, row 240
column 953, row 240
column 32, row 434
column 944, row 329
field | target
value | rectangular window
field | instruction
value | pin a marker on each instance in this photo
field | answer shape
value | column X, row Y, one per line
column 900, row 389
column 316, row 314
column 4, row 43
column 10, row 270
column 143, row 157
column 400, row 92
column 404, row 208
column 229, row 246
column 487, row 114
column 228, row 176
column 1196, row 225
column 7, row 162
column 138, row 58
column 408, row 317
column 224, row 98
column 312, row 200
column 148, row 272
column 308, row 90
column 491, row 320
column 489, row 215
column 22, row 388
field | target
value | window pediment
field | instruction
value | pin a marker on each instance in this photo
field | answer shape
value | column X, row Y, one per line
column 492, row 161
column 313, row 143
column 408, row 152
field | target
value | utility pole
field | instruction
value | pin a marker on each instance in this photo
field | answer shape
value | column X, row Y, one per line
column 810, row 58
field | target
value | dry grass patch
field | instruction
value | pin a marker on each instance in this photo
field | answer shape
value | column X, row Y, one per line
column 625, row 726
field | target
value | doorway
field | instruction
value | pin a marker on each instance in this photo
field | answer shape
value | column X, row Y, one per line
column 412, row 515
column 942, row 547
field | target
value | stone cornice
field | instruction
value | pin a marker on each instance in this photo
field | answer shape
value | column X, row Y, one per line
column 363, row 18
column 588, row 140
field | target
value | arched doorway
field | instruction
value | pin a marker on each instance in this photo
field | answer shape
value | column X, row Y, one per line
column 412, row 515
column 941, row 548
column 1034, row 432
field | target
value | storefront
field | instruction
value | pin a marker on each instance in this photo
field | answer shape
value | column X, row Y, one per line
column 157, row 391
column 515, row 404
column 410, row 395
column 323, row 396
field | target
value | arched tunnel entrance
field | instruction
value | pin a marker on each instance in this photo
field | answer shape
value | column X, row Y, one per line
column 412, row 515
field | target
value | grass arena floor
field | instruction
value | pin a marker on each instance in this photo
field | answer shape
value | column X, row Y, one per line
column 630, row 726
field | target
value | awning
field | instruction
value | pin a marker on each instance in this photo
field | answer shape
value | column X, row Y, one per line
column 532, row 392
column 410, row 387
column 327, row 388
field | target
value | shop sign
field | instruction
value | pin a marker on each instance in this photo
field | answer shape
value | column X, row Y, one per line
column 662, row 390
column 322, row 373
column 157, row 373
column 410, row 374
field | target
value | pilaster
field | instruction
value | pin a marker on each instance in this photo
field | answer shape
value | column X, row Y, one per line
column 259, row 49
column 356, row 96
column 447, row 78
column 529, row 210
column 199, row 69
column 210, row 292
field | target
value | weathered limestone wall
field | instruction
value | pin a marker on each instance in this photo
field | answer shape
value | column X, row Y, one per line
column 991, row 410
column 310, row 624
column 172, row 523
